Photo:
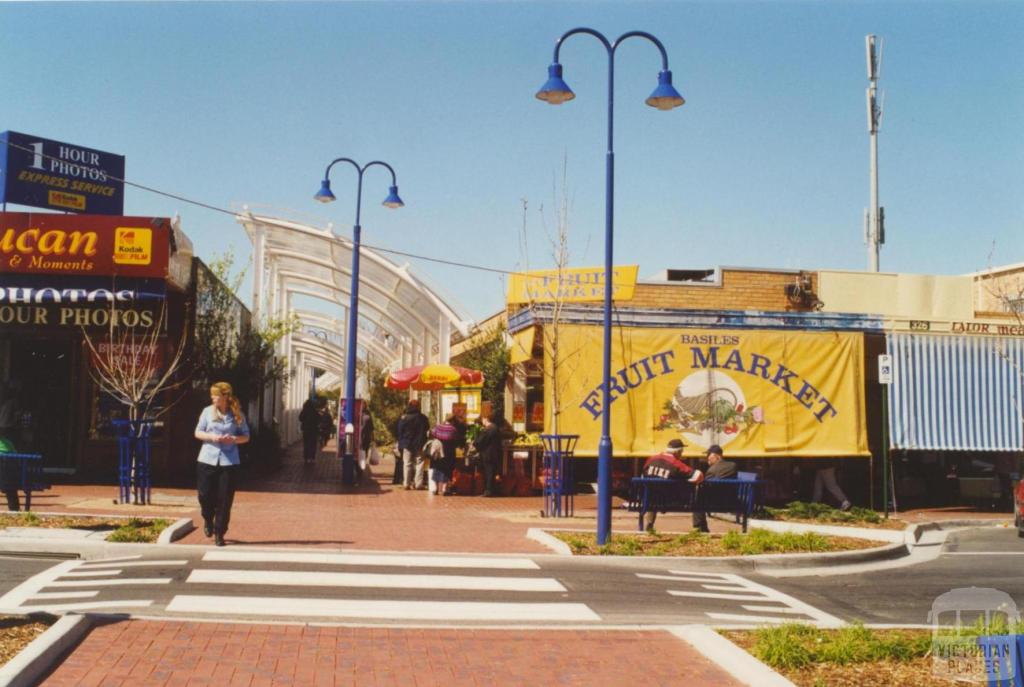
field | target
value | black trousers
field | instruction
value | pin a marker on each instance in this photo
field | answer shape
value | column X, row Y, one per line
column 490, row 470
column 216, row 487
column 310, row 446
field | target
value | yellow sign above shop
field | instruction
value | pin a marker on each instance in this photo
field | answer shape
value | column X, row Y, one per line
column 755, row 393
column 576, row 285
column 133, row 245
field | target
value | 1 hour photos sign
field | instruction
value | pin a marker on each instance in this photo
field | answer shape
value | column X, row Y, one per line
column 49, row 174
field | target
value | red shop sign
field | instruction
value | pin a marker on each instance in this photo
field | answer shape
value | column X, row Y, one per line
column 102, row 245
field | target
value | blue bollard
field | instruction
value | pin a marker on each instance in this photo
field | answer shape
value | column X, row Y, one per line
column 559, row 483
column 133, row 444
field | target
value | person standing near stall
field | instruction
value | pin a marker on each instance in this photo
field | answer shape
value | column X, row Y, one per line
column 441, row 466
column 221, row 428
column 488, row 445
column 412, row 435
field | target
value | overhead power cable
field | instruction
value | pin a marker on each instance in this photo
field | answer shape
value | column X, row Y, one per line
column 233, row 214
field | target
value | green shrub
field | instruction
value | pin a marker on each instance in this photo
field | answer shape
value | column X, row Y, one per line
column 138, row 530
column 766, row 541
column 822, row 512
column 784, row 646
column 796, row 645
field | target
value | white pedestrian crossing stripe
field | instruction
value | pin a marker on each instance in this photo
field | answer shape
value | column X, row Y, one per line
column 433, row 588
column 389, row 560
column 25, row 597
column 767, row 605
column 375, row 580
column 383, row 609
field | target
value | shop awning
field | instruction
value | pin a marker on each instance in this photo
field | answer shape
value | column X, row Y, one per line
column 522, row 345
column 956, row 393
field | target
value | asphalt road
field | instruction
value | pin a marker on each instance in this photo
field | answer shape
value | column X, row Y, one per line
column 16, row 569
column 988, row 557
column 236, row 583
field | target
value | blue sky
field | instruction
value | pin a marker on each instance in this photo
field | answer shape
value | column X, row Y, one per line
column 765, row 166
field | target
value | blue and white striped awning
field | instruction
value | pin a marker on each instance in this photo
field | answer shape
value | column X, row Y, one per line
column 956, row 393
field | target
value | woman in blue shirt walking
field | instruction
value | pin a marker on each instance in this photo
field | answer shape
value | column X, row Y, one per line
column 221, row 428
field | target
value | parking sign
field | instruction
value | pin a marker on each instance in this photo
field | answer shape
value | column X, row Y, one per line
column 885, row 369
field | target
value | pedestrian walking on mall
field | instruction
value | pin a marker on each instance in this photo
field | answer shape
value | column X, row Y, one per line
column 309, row 421
column 412, row 435
column 365, row 442
column 221, row 428
column 825, row 478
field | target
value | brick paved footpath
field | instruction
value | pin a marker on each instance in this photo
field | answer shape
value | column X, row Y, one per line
column 306, row 506
column 183, row 654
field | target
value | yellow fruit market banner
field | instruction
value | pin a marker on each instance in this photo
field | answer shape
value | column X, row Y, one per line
column 571, row 285
column 756, row 393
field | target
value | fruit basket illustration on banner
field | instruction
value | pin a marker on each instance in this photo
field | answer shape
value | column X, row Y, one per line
column 708, row 407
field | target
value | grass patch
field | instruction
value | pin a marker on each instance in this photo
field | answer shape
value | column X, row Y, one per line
column 764, row 541
column 695, row 543
column 853, row 655
column 801, row 511
column 139, row 530
column 795, row 645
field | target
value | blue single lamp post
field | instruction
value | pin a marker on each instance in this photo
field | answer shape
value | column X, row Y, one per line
column 324, row 195
column 665, row 97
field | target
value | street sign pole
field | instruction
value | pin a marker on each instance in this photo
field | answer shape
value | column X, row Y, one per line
column 885, row 451
column 885, row 379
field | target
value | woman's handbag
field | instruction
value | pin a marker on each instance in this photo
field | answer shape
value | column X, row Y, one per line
column 374, row 457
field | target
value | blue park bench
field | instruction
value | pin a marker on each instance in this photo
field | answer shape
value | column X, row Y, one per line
column 21, row 471
column 737, row 496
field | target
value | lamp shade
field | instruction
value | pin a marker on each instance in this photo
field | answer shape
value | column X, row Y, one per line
column 393, row 201
column 665, row 96
column 324, row 195
column 555, row 91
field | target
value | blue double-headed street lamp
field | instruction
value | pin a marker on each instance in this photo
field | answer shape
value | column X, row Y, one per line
column 665, row 97
column 324, row 195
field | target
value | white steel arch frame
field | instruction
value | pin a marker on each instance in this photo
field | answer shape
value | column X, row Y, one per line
column 292, row 258
column 316, row 323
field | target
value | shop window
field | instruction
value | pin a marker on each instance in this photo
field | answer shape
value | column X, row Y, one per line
column 104, row 408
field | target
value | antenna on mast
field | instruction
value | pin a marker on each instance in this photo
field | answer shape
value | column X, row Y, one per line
column 875, row 231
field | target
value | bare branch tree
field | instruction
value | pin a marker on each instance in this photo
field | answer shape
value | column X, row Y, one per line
column 130, row 364
column 548, row 297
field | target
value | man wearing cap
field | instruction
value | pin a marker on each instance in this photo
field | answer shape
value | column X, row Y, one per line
column 668, row 465
column 714, row 468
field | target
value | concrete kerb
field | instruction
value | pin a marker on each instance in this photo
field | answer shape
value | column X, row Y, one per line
column 44, row 651
column 899, row 544
column 729, row 657
column 179, row 529
column 541, row 536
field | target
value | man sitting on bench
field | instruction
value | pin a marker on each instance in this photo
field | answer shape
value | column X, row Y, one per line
column 716, row 468
column 668, row 465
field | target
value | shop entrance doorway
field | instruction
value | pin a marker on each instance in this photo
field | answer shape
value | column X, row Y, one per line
column 39, row 381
